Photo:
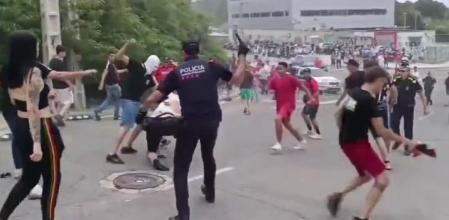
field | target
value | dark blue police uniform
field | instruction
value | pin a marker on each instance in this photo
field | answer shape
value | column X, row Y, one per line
column 405, row 107
column 196, row 84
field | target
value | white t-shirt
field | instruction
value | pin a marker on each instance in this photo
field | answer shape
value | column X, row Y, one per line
column 416, row 74
column 168, row 106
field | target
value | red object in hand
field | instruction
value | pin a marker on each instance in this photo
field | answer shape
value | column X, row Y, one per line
column 423, row 149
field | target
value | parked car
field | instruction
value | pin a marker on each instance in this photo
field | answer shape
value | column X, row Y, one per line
column 327, row 82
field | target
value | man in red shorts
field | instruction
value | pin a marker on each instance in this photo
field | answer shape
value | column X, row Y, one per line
column 355, row 115
column 285, row 87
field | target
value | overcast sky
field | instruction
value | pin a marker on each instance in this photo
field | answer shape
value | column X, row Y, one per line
column 444, row 1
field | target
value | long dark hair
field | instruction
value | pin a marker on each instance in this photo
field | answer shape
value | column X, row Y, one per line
column 22, row 56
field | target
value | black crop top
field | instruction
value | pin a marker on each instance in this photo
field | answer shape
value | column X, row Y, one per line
column 21, row 105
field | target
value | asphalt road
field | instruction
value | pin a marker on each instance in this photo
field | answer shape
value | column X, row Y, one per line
column 253, row 183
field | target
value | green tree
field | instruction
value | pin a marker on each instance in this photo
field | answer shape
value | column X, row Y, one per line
column 17, row 15
column 103, row 26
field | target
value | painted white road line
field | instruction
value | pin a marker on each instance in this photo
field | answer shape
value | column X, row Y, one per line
column 200, row 177
column 328, row 102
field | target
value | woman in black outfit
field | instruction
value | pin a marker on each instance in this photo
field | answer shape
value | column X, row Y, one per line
column 38, row 138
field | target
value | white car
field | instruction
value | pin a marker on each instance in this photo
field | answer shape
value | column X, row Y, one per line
column 327, row 82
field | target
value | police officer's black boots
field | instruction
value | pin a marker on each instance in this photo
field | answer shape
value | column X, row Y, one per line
column 208, row 193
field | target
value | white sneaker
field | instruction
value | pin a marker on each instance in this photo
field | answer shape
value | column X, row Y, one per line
column 36, row 193
column 300, row 145
column 17, row 173
column 307, row 133
column 315, row 136
column 277, row 147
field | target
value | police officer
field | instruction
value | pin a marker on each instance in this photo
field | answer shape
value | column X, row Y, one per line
column 407, row 86
column 196, row 83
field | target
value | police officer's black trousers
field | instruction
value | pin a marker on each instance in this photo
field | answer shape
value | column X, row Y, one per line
column 408, row 113
column 187, row 139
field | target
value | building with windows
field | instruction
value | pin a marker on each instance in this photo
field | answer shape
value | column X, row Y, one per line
column 310, row 15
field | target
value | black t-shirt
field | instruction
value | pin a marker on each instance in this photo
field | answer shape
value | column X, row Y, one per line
column 196, row 84
column 355, row 80
column 58, row 65
column 407, row 89
column 356, row 119
column 135, row 82
column 112, row 75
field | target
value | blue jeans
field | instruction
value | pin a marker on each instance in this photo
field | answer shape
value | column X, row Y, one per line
column 113, row 94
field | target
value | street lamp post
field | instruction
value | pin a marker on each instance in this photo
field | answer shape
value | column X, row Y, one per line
column 405, row 20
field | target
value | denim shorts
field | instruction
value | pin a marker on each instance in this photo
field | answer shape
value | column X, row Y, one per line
column 130, row 109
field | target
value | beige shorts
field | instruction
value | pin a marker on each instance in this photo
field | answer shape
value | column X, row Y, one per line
column 64, row 96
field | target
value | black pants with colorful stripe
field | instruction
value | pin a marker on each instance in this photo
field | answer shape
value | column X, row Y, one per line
column 48, row 168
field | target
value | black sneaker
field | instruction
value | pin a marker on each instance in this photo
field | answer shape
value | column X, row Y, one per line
column 396, row 146
column 128, row 150
column 333, row 203
column 114, row 158
column 97, row 116
column 159, row 166
column 208, row 193
column 357, row 218
column 178, row 218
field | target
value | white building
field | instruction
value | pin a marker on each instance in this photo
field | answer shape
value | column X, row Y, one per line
column 309, row 15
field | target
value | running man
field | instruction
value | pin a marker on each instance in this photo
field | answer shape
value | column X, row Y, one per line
column 356, row 114
column 285, row 87
column 310, row 110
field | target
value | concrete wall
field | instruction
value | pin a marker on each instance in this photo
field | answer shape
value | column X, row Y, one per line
column 235, row 7
column 435, row 54
column 343, row 21
column 295, row 18
column 426, row 38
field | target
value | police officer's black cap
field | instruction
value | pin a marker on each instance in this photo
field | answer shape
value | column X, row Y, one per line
column 191, row 47
column 307, row 70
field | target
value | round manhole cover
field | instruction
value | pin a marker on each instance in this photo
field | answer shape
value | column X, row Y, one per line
column 138, row 181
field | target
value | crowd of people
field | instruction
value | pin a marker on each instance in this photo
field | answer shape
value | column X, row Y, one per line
column 181, row 100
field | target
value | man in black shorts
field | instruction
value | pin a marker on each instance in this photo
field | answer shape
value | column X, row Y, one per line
column 310, row 109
